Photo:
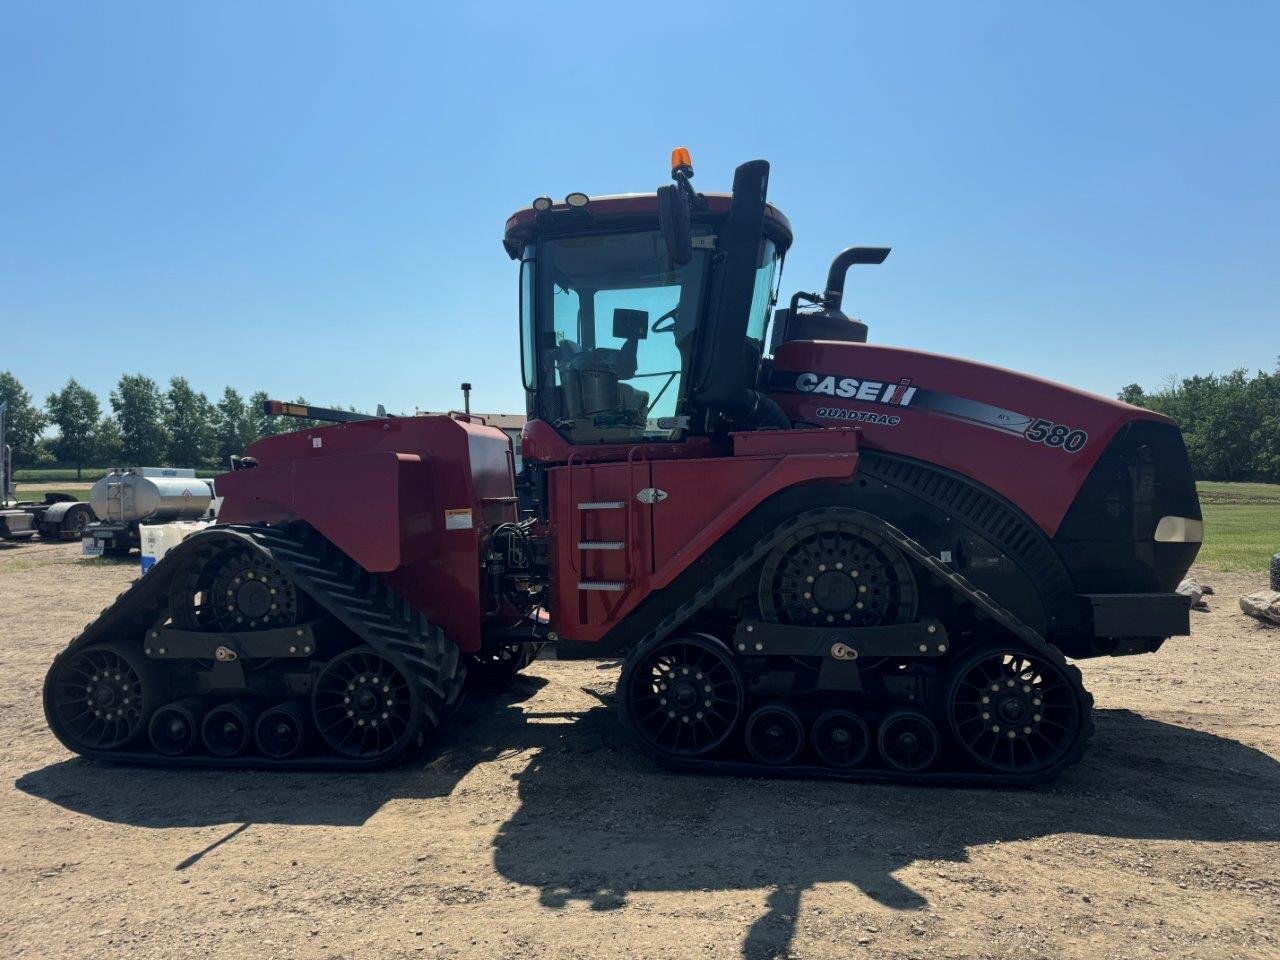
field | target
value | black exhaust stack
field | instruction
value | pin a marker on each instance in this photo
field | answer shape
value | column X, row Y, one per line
column 834, row 294
column 830, row 322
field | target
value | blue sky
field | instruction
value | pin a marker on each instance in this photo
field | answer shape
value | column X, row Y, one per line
column 309, row 198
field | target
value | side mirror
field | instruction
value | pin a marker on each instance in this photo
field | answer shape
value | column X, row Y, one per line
column 630, row 324
column 673, row 216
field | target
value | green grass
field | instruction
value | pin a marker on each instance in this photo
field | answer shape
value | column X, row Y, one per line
column 1241, row 525
column 1215, row 492
column 1240, row 536
column 26, row 493
column 88, row 474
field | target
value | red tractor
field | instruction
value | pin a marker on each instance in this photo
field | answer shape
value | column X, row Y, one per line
column 818, row 556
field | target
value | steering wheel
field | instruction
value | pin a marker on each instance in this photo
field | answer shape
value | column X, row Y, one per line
column 670, row 327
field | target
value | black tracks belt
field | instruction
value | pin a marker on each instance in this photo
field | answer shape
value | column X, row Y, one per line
column 375, row 612
column 981, row 602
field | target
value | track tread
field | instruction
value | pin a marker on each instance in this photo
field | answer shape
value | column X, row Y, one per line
column 380, row 616
column 979, row 601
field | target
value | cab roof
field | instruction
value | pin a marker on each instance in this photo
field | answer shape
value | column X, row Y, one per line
column 526, row 223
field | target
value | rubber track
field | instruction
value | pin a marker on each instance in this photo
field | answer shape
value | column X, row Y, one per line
column 375, row 612
column 961, row 588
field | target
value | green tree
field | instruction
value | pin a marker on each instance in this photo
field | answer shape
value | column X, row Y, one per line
column 1230, row 422
column 189, row 421
column 43, row 456
column 261, row 423
column 234, row 427
column 140, row 411
column 74, row 410
column 106, row 442
column 23, row 420
column 1133, row 394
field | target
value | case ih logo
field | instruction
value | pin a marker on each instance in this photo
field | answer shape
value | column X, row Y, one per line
column 874, row 391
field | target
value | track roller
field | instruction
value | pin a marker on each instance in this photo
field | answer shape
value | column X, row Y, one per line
column 775, row 734
column 840, row 739
column 908, row 741
column 227, row 730
column 99, row 697
column 175, row 728
column 281, row 731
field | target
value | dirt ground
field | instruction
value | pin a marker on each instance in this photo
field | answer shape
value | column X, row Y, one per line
column 534, row 832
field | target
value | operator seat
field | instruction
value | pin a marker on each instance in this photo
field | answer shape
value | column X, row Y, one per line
column 591, row 380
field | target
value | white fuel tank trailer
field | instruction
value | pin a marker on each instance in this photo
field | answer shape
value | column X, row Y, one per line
column 150, row 495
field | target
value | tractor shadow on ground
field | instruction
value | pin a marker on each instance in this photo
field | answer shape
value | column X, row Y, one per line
column 158, row 798
column 597, row 822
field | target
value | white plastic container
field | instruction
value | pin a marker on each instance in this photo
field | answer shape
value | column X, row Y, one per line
column 159, row 538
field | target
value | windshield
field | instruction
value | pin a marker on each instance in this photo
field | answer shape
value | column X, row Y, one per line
column 616, row 324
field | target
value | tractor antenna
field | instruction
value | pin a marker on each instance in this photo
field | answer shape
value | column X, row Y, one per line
column 466, row 398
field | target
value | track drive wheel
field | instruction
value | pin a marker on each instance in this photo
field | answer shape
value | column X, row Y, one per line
column 1017, row 711
column 681, row 697
column 365, row 706
column 100, row 697
column 227, row 587
column 837, row 572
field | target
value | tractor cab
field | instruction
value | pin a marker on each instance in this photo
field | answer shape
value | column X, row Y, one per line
column 643, row 316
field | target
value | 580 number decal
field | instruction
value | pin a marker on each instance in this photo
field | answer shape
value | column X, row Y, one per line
column 1056, row 435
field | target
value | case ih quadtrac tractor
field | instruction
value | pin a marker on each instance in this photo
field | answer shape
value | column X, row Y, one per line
column 817, row 555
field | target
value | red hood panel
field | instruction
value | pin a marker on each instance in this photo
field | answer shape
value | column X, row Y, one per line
column 1031, row 440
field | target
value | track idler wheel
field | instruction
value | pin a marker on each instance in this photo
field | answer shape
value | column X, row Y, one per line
column 175, row 728
column 774, row 734
column 840, row 739
column 100, row 697
column 908, row 741
column 682, row 697
column 227, row 730
column 281, row 732
column 1015, row 711
column 365, row 706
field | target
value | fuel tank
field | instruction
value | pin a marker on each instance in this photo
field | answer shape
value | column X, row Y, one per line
column 150, row 494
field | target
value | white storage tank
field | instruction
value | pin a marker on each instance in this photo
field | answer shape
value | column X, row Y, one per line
column 150, row 494
column 157, row 539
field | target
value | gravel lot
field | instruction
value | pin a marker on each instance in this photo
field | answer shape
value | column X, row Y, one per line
column 534, row 832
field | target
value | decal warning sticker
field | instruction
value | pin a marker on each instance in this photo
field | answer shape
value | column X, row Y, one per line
column 458, row 520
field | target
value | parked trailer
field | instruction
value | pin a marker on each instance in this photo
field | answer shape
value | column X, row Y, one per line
column 56, row 517
column 126, row 500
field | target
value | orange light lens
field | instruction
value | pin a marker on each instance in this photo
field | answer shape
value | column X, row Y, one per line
column 680, row 158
